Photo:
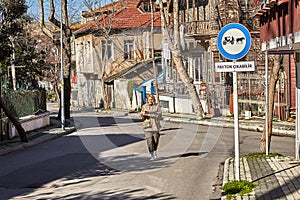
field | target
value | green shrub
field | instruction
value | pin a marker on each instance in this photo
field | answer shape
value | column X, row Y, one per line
column 242, row 187
column 25, row 102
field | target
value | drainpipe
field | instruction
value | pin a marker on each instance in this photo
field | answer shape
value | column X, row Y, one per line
column 288, row 98
column 297, row 145
column 174, row 106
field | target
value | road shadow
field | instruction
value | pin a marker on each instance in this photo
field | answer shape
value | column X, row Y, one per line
column 112, row 121
column 68, row 158
column 111, row 194
column 276, row 191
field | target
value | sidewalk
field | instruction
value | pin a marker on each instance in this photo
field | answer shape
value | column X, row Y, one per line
column 38, row 136
column 277, row 177
column 281, row 128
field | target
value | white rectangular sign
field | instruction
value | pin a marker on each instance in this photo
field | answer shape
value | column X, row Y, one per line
column 243, row 66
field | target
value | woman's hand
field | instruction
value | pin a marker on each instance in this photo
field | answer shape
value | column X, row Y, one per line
column 145, row 114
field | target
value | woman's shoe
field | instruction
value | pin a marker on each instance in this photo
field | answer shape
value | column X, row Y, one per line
column 152, row 157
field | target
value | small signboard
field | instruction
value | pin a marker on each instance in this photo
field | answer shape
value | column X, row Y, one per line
column 234, row 41
column 242, row 66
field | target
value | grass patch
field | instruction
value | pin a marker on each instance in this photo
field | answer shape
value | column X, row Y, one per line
column 262, row 155
column 242, row 187
column 205, row 117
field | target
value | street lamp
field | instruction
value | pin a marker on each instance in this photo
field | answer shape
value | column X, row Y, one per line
column 62, row 100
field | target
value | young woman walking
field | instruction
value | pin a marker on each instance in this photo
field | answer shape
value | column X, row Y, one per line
column 151, row 113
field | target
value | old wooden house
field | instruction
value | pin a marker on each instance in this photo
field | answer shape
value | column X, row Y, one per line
column 114, row 52
column 200, row 23
column 280, row 34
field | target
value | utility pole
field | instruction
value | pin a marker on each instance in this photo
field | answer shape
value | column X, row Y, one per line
column 153, row 58
column 62, row 100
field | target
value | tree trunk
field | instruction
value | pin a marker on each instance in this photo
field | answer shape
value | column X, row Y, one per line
column 15, row 122
column 274, row 75
column 153, row 56
column 104, row 95
column 177, row 58
column 67, row 34
column 67, row 99
column 67, row 59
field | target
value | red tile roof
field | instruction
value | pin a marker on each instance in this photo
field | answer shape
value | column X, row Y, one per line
column 115, row 5
column 127, row 17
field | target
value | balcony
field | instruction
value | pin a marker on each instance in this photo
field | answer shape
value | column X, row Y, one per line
column 198, row 28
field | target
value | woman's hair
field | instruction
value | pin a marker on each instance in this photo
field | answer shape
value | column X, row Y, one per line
column 151, row 96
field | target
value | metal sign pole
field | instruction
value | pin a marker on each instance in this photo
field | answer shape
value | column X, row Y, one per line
column 236, row 127
column 267, row 102
column 297, row 61
column 234, row 42
column 297, row 122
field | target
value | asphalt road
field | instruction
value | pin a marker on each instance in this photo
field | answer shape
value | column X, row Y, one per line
column 107, row 158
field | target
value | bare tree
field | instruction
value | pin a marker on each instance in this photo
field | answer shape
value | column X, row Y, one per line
column 105, row 29
column 176, row 50
column 274, row 76
column 66, row 84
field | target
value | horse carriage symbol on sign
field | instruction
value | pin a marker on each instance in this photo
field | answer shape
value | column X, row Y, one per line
column 234, row 41
column 231, row 40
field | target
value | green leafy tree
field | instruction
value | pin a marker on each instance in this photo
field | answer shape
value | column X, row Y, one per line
column 18, row 46
column 12, row 20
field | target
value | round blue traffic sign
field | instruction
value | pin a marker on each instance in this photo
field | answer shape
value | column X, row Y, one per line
column 234, row 41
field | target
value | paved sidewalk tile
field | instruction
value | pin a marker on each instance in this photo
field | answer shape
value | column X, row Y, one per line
column 276, row 177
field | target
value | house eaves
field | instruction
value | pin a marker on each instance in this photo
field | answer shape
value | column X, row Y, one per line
column 129, row 70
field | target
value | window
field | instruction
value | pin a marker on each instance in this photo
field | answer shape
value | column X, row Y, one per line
column 145, row 7
column 88, row 57
column 107, row 50
column 197, row 70
column 128, row 50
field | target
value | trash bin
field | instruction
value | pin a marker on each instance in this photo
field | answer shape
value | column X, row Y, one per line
column 101, row 103
column 248, row 114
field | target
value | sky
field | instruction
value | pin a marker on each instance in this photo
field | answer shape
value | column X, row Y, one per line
column 33, row 9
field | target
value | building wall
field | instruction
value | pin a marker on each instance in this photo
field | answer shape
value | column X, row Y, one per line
column 292, row 89
column 121, row 95
column 280, row 30
column 87, row 73
column 91, row 66
column 281, row 21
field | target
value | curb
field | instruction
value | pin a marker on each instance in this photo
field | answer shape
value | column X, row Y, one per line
column 229, row 175
column 228, row 124
column 38, row 140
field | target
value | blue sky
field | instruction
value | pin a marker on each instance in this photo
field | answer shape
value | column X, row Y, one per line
column 33, row 9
